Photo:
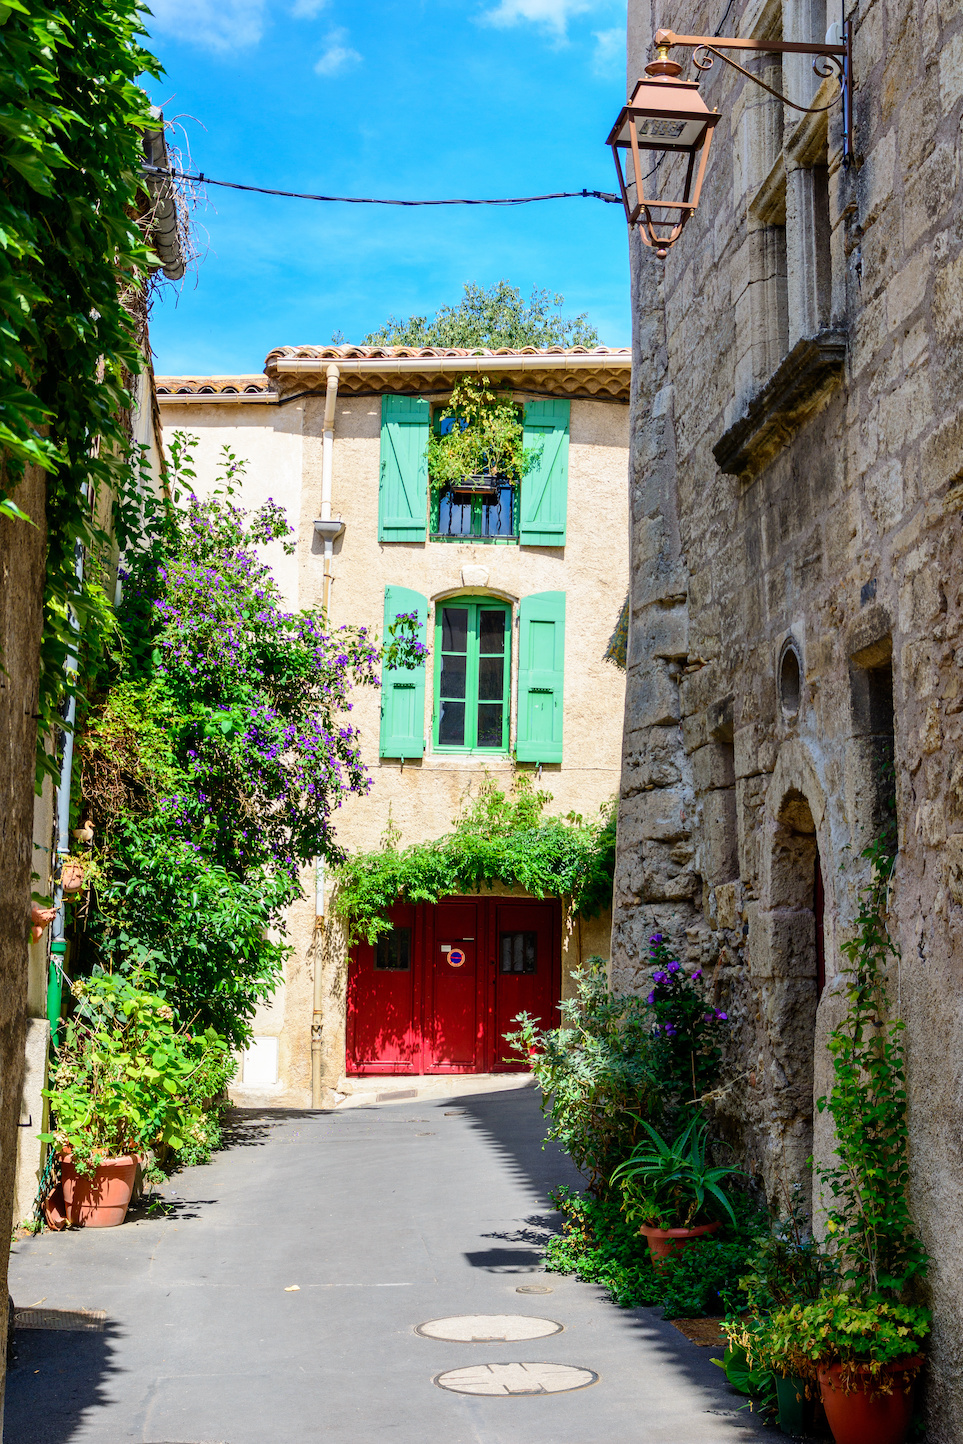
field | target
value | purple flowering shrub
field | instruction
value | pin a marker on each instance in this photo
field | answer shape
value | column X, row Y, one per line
column 216, row 757
column 687, row 1030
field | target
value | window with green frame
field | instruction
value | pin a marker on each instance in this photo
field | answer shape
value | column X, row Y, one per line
column 472, row 675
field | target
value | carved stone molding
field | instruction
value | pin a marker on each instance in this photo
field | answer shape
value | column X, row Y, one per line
column 802, row 381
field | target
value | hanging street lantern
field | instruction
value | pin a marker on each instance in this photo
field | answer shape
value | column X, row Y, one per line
column 668, row 117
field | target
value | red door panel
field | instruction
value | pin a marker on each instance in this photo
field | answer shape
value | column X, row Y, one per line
column 437, row 994
column 384, row 1000
column 453, row 1037
column 524, row 944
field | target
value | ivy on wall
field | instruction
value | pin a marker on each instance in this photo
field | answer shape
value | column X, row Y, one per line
column 71, row 249
column 500, row 838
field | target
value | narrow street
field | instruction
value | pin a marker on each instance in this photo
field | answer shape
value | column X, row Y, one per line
column 384, row 1218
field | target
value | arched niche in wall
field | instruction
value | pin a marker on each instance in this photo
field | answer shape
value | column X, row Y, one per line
column 795, row 964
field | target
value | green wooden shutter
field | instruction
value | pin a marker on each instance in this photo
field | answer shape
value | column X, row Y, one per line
column 403, row 494
column 541, row 668
column 544, row 490
column 403, row 689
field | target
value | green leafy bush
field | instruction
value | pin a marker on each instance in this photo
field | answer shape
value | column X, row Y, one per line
column 836, row 1328
column 595, row 1072
column 599, row 1245
column 127, row 1079
column 499, row 838
column 214, row 753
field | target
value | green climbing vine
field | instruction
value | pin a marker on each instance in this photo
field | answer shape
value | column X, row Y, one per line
column 499, row 838
column 73, row 266
column 868, row 1216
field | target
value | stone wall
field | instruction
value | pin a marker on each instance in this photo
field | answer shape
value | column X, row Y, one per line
column 21, row 591
column 800, row 611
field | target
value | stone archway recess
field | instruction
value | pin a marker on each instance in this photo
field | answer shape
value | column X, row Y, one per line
column 783, row 965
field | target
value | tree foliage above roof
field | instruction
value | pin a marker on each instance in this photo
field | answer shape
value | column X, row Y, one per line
column 498, row 317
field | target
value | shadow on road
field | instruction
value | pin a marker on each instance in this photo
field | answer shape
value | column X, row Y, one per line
column 53, row 1378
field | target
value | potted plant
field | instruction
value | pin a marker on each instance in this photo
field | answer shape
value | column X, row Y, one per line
column 127, row 1080
column 672, row 1188
column 865, row 1355
column 479, row 442
column 71, row 875
column 787, row 1267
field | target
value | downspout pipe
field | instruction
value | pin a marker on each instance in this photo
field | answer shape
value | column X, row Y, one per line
column 328, row 530
column 58, row 942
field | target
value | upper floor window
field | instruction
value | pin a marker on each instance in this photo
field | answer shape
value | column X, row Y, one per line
column 472, row 671
column 462, row 514
column 533, row 514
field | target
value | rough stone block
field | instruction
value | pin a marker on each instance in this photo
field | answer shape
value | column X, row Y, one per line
column 782, row 943
column 727, row 904
column 712, row 767
column 754, row 751
column 718, row 837
column 652, row 696
column 953, row 866
column 662, row 814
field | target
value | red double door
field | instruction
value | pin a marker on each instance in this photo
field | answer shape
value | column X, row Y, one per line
column 437, row 993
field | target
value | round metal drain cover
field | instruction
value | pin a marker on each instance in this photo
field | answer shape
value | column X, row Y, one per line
column 489, row 1328
column 504, row 1380
column 534, row 1289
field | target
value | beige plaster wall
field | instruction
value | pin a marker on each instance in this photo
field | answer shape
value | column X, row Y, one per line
column 283, row 447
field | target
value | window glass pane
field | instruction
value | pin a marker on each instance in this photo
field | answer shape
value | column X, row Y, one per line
column 491, row 671
column 491, row 630
column 490, row 724
column 454, row 670
column 454, row 629
column 393, row 951
column 454, row 515
column 518, row 952
column 451, row 724
column 497, row 514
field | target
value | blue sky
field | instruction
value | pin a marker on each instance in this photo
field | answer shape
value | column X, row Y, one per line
column 410, row 98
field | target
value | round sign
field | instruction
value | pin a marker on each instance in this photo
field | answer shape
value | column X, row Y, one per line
column 457, row 957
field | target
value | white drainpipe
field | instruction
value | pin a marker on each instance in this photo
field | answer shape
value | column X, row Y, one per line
column 329, row 529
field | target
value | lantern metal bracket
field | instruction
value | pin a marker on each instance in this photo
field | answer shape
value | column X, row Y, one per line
column 829, row 60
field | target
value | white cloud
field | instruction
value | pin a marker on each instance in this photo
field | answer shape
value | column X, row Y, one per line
column 609, row 57
column 214, row 24
column 553, row 13
column 307, row 9
column 337, row 56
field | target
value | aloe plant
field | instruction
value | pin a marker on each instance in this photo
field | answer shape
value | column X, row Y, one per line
column 668, row 1185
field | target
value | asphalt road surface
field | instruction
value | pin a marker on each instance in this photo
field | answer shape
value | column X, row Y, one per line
column 277, row 1299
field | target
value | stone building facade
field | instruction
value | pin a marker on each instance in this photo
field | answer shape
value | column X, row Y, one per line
column 796, row 493
column 327, row 432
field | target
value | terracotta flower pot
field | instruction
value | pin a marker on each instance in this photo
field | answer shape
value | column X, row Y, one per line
column 101, row 1199
column 863, row 1416
column 664, row 1242
column 72, row 877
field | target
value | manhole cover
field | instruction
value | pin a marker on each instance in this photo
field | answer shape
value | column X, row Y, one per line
column 507, row 1379
column 534, row 1289
column 489, row 1328
column 82, row 1320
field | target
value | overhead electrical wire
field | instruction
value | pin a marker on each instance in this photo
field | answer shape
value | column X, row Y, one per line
column 206, row 180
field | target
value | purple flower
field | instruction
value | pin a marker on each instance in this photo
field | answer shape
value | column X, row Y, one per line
column 655, row 938
column 671, row 1029
column 674, row 968
column 722, row 1017
column 697, row 974
column 651, row 998
column 660, row 977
